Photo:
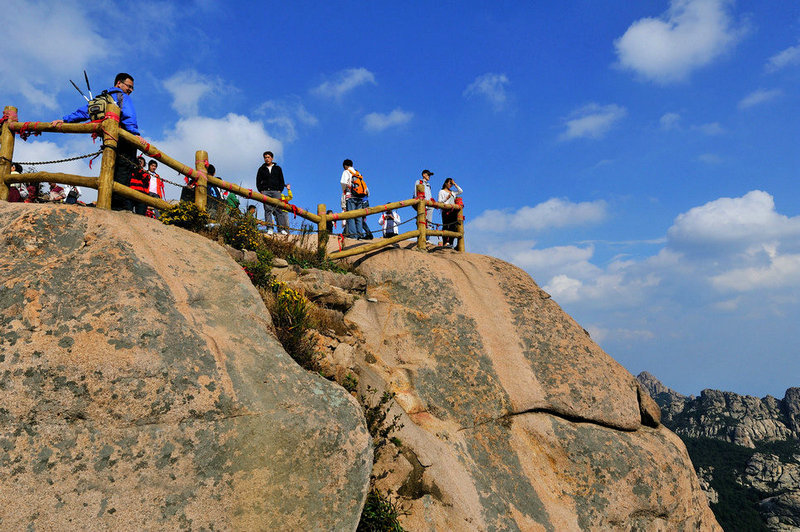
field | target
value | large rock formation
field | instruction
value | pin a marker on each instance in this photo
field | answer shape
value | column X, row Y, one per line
column 769, row 473
column 727, row 416
column 512, row 418
column 142, row 389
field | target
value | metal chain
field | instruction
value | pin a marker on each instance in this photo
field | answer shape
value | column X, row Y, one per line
column 56, row 161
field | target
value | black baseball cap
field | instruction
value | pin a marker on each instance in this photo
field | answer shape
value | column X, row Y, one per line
column 427, row 172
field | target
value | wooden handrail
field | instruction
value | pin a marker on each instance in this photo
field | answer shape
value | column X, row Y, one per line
column 54, row 177
column 105, row 184
column 49, row 127
column 372, row 246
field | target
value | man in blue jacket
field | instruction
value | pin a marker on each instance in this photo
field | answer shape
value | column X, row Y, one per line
column 126, row 152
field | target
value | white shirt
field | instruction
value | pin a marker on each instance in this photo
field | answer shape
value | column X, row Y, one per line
column 346, row 180
column 427, row 185
column 449, row 196
column 389, row 221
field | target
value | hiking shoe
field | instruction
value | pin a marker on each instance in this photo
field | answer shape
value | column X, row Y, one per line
column 269, row 232
column 284, row 232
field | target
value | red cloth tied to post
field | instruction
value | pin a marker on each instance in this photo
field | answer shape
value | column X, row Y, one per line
column 341, row 241
column 8, row 117
column 92, row 159
column 25, row 132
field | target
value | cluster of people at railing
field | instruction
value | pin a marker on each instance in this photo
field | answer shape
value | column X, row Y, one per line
column 142, row 176
column 33, row 193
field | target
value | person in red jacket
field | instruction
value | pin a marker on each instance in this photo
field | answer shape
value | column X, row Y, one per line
column 156, row 187
column 140, row 182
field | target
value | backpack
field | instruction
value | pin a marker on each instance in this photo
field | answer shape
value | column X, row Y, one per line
column 357, row 186
column 97, row 105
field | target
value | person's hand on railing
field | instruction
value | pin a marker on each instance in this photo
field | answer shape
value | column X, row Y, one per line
column 57, row 122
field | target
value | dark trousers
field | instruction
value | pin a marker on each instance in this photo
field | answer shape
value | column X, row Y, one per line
column 123, row 170
column 449, row 223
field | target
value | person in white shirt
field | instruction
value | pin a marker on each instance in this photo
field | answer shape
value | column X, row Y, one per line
column 448, row 195
column 389, row 221
column 354, row 227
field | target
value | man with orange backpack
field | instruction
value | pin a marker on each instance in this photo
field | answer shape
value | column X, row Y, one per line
column 354, row 193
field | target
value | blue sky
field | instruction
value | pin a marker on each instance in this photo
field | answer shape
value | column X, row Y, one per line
column 638, row 159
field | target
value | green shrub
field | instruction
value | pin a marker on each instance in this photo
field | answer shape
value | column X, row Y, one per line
column 290, row 316
column 350, row 383
column 380, row 511
column 240, row 231
column 186, row 215
column 259, row 271
column 380, row 514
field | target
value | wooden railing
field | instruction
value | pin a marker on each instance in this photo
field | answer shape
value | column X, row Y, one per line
column 105, row 185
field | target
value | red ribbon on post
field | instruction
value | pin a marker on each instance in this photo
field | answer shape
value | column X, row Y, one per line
column 24, row 133
column 8, row 117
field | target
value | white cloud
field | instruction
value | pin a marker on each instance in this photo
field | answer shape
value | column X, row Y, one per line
column 490, row 86
column 735, row 223
column 37, row 71
column 781, row 272
column 670, row 121
column 612, row 288
column 555, row 212
column 381, row 121
column 758, row 97
column 690, row 35
column 554, row 259
column 564, row 288
column 592, row 121
column 225, row 139
column 728, row 305
column 343, row 82
column 286, row 115
column 188, row 87
column 784, row 58
column 727, row 245
column 711, row 129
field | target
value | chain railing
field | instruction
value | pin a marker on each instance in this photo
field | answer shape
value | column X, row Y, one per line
column 111, row 133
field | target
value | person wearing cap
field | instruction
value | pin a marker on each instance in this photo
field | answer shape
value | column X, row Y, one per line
column 426, row 184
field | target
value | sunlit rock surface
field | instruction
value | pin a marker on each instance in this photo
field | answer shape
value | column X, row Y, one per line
column 142, row 389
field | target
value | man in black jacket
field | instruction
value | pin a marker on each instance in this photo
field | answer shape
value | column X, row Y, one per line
column 269, row 181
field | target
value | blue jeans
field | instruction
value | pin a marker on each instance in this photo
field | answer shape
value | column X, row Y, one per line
column 355, row 226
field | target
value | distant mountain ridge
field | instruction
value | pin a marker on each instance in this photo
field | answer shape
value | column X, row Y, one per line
column 727, row 416
column 745, row 449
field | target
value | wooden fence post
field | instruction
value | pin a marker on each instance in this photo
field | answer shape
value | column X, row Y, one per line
column 322, row 230
column 105, row 184
column 422, row 221
column 201, row 189
column 6, row 150
column 460, row 229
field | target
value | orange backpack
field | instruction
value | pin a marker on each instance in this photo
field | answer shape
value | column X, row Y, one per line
column 357, row 185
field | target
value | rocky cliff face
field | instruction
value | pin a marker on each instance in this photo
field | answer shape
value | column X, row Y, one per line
column 740, row 419
column 512, row 418
column 770, row 473
column 142, row 389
